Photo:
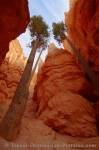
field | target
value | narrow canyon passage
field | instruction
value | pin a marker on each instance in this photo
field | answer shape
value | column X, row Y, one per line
column 61, row 106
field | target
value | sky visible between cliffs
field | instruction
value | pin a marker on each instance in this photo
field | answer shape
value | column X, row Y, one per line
column 51, row 11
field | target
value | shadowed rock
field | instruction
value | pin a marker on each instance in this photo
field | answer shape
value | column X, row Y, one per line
column 14, row 18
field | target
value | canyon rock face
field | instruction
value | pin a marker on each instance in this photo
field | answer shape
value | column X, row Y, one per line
column 10, row 74
column 71, row 3
column 62, row 91
column 51, row 49
column 60, row 74
column 15, row 54
column 67, row 46
column 70, row 114
column 14, row 18
column 83, row 27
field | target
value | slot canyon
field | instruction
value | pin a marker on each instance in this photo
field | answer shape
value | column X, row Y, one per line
column 63, row 104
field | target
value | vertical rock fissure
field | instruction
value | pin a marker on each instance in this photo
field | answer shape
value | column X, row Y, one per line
column 85, row 66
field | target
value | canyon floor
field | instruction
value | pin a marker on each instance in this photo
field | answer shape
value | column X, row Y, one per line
column 35, row 135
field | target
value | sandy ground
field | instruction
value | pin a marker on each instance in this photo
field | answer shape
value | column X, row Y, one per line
column 35, row 135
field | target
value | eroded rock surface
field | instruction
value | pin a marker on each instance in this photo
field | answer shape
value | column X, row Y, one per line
column 60, row 74
column 70, row 114
column 14, row 18
column 10, row 74
column 83, row 27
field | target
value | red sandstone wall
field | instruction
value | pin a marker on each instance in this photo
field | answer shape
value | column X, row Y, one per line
column 14, row 18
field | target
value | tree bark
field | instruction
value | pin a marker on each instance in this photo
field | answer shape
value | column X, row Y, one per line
column 34, row 69
column 37, row 62
column 85, row 66
column 10, row 125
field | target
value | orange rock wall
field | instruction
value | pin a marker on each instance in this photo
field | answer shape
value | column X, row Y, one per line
column 10, row 74
column 60, row 74
column 62, row 87
column 83, row 25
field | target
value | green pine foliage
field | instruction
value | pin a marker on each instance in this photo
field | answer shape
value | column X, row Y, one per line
column 39, row 29
column 58, row 30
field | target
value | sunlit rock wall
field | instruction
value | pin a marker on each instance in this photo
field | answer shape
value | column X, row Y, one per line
column 15, row 54
column 10, row 73
column 60, row 74
column 14, row 18
column 63, row 91
column 51, row 49
column 67, row 46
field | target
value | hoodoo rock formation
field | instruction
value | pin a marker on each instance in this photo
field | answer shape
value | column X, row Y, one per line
column 63, row 112
column 15, row 54
column 61, row 83
column 60, row 74
column 10, row 74
column 14, row 18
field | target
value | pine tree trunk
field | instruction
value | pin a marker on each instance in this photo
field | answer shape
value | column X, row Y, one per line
column 10, row 125
column 85, row 67
column 37, row 61
column 34, row 69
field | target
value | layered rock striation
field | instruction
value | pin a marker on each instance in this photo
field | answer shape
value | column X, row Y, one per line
column 10, row 74
column 70, row 113
column 58, row 108
column 62, row 87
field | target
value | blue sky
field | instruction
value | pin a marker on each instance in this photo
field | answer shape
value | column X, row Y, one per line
column 50, row 10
